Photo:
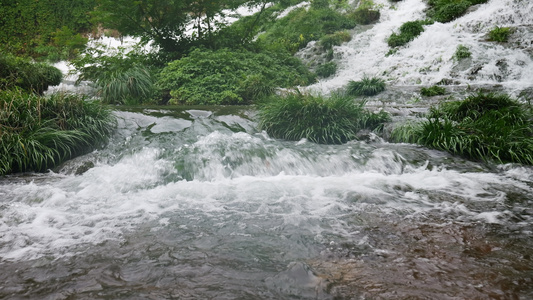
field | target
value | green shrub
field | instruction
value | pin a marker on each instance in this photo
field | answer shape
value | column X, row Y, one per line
column 26, row 74
column 500, row 34
column 326, row 70
column 462, row 52
column 447, row 10
column 230, row 76
column 333, row 120
column 38, row 133
column 335, row 39
column 365, row 16
column 408, row 32
column 366, row 87
column 432, row 91
column 481, row 127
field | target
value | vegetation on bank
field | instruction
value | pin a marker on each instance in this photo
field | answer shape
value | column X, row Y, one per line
column 50, row 28
column 303, row 25
column 37, row 133
column 319, row 119
column 485, row 127
column 26, row 74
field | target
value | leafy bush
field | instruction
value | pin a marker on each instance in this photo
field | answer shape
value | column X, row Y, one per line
column 366, row 87
column 500, row 34
column 335, row 39
column 447, row 10
column 462, row 52
column 38, row 133
column 230, row 77
column 333, row 120
column 408, row 32
column 326, row 70
column 432, row 91
column 483, row 127
column 26, row 74
column 301, row 26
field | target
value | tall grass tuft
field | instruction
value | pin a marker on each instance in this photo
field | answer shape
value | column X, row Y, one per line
column 133, row 84
column 366, row 87
column 432, row 91
column 500, row 34
column 332, row 120
column 37, row 133
column 485, row 127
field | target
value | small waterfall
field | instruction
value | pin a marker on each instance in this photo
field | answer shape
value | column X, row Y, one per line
column 428, row 59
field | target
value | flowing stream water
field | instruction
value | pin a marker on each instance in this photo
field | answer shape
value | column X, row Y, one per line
column 196, row 203
column 191, row 203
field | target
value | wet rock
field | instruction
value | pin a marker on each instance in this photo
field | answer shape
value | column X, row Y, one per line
column 84, row 168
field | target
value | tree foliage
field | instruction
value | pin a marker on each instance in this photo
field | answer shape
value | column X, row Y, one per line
column 29, row 25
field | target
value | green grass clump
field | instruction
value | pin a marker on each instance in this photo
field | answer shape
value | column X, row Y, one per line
column 118, row 78
column 37, row 133
column 132, row 86
column 326, row 70
column 230, row 76
column 462, row 52
column 484, row 127
column 447, row 10
column 333, row 120
column 26, row 74
column 335, row 39
column 365, row 87
column 432, row 91
column 408, row 32
column 500, row 34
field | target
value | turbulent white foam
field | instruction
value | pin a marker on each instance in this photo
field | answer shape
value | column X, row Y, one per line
column 109, row 200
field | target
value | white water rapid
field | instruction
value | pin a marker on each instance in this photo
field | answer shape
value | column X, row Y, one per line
column 196, row 203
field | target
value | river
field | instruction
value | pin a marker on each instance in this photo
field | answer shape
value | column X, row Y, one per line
column 196, row 203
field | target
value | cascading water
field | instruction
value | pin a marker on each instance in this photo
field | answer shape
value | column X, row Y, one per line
column 189, row 204
column 429, row 59
column 195, row 203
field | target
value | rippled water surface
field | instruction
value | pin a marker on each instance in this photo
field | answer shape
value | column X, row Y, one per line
column 198, row 204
